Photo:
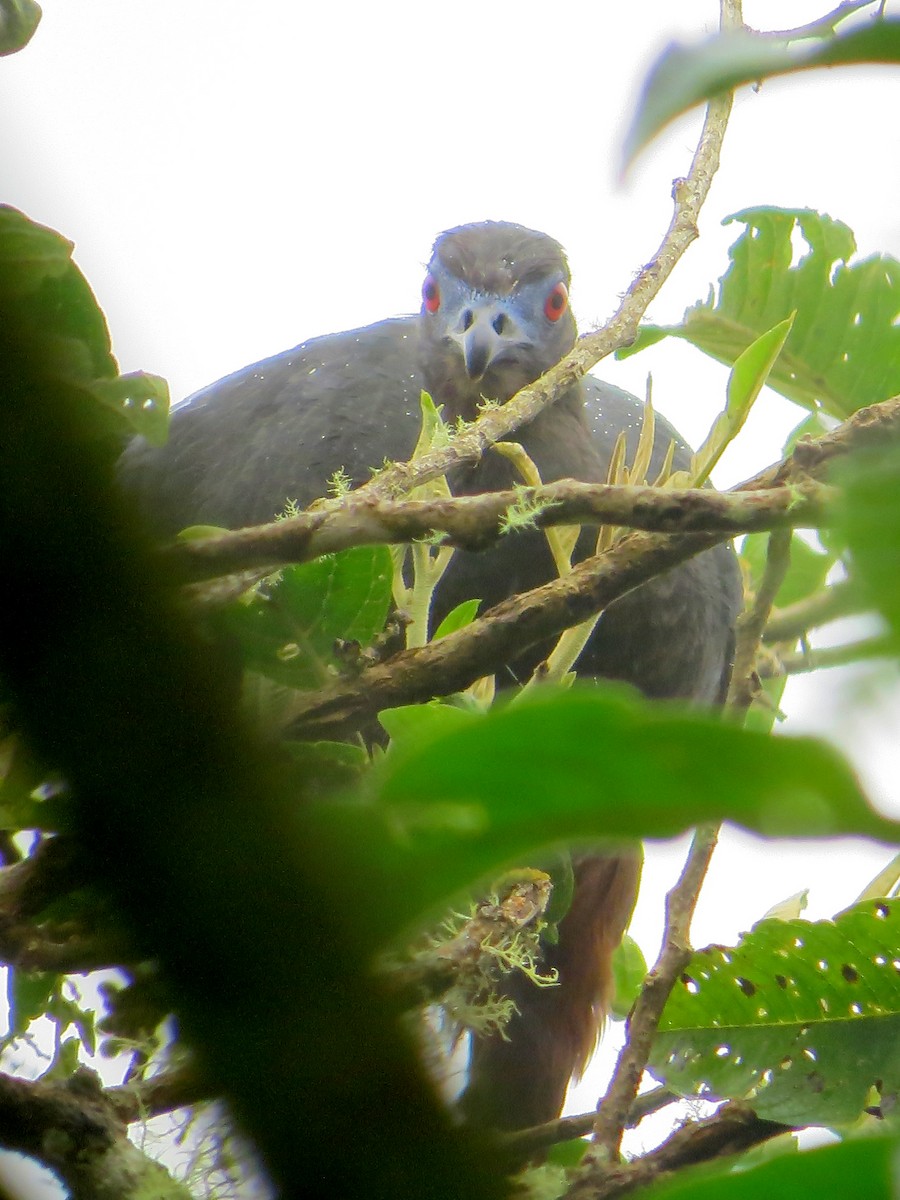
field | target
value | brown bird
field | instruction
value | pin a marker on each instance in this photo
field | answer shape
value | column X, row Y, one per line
column 494, row 316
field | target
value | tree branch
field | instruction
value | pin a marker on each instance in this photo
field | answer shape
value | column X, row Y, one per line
column 524, row 1143
column 158, row 1094
column 752, row 623
column 457, row 660
column 820, row 27
column 74, row 1129
column 472, row 955
column 60, row 945
column 732, row 1130
column 475, row 522
column 806, row 661
column 842, row 599
column 612, row 1113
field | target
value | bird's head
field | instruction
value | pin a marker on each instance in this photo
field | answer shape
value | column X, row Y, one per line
column 495, row 313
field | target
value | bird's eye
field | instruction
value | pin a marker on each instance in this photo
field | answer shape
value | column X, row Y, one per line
column 431, row 294
column 556, row 303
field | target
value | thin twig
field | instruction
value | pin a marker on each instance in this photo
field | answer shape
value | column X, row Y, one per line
column 806, row 661
column 842, row 599
column 612, row 1113
column 524, row 1143
column 820, row 27
column 157, row 1094
column 750, row 625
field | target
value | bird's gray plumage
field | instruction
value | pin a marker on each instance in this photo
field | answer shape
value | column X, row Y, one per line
column 494, row 317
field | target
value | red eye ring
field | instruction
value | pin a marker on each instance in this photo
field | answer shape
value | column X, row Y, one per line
column 557, row 302
column 431, row 294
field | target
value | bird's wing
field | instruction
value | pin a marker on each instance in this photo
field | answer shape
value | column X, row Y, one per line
column 278, row 430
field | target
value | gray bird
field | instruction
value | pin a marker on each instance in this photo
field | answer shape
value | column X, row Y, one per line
column 494, row 317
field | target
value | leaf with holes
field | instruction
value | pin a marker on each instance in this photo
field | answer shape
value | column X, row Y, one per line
column 843, row 351
column 288, row 628
column 800, row 1019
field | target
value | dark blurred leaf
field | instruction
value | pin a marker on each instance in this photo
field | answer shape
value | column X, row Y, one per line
column 57, row 310
column 855, row 1170
column 686, row 75
column 18, row 21
column 66, row 1011
column 870, row 521
column 142, row 399
column 843, row 351
column 327, row 767
column 801, row 1018
column 184, row 820
column 288, row 627
column 30, row 993
column 28, row 799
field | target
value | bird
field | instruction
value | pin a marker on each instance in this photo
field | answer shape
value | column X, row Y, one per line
column 494, row 316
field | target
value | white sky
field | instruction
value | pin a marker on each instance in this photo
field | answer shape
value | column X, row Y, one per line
column 238, row 178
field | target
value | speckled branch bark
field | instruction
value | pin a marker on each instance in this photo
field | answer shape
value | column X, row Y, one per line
column 474, row 522
column 73, row 1128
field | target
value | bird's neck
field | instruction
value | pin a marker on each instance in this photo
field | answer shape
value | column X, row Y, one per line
column 557, row 440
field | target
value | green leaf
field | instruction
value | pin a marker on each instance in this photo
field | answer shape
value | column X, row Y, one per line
column 574, row 767
column 55, row 301
column 30, row 994
column 629, row 971
column 805, row 575
column 29, row 799
column 66, row 1011
column 457, row 618
column 142, row 399
column 595, row 762
column 686, row 75
column 801, row 1019
column 412, row 725
column 57, row 311
column 752, row 369
column 18, row 21
column 327, row 767
column 870, row 521
column 66, row 1061
column 748, row 375
column 288, row 627
column 843, row 351
column 852, row 1171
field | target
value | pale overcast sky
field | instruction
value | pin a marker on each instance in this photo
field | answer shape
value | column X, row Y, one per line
column 238, row 178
